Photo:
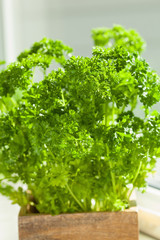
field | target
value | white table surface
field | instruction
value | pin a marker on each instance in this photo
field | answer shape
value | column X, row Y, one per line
column 144, row 237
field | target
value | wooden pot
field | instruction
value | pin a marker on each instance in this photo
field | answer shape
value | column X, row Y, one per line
column 121, row 225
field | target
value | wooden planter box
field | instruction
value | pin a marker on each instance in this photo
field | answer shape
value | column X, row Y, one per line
column 80, row 226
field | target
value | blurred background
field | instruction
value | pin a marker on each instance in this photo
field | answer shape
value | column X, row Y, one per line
column 22, row 22
column 26, row 21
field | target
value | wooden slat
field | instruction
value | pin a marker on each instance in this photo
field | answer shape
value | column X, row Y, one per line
column 80, row 226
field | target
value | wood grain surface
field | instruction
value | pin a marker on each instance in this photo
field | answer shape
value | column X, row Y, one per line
column 80, row 226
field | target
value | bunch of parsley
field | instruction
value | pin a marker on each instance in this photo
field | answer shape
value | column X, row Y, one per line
column 73, row 138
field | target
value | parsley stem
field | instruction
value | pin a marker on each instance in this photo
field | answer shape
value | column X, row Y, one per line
column 112, row 174
column 113, row 177
column 136, row 175
column 75, row 198
column 107, row 148
column 63, row 97
column 70, row 191
column 122, row 110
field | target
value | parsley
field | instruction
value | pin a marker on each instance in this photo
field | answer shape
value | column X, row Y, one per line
column 73, row 138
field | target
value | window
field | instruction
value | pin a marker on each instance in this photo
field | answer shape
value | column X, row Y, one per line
column 1, row 33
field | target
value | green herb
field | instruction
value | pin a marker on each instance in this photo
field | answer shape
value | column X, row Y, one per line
column 118, row 35
column 73, row 138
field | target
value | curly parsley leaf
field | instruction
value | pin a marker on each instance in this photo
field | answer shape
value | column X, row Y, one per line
column 73, row 137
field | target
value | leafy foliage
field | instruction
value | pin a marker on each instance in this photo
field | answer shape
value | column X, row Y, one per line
column 73, row 137
column 118, row 35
